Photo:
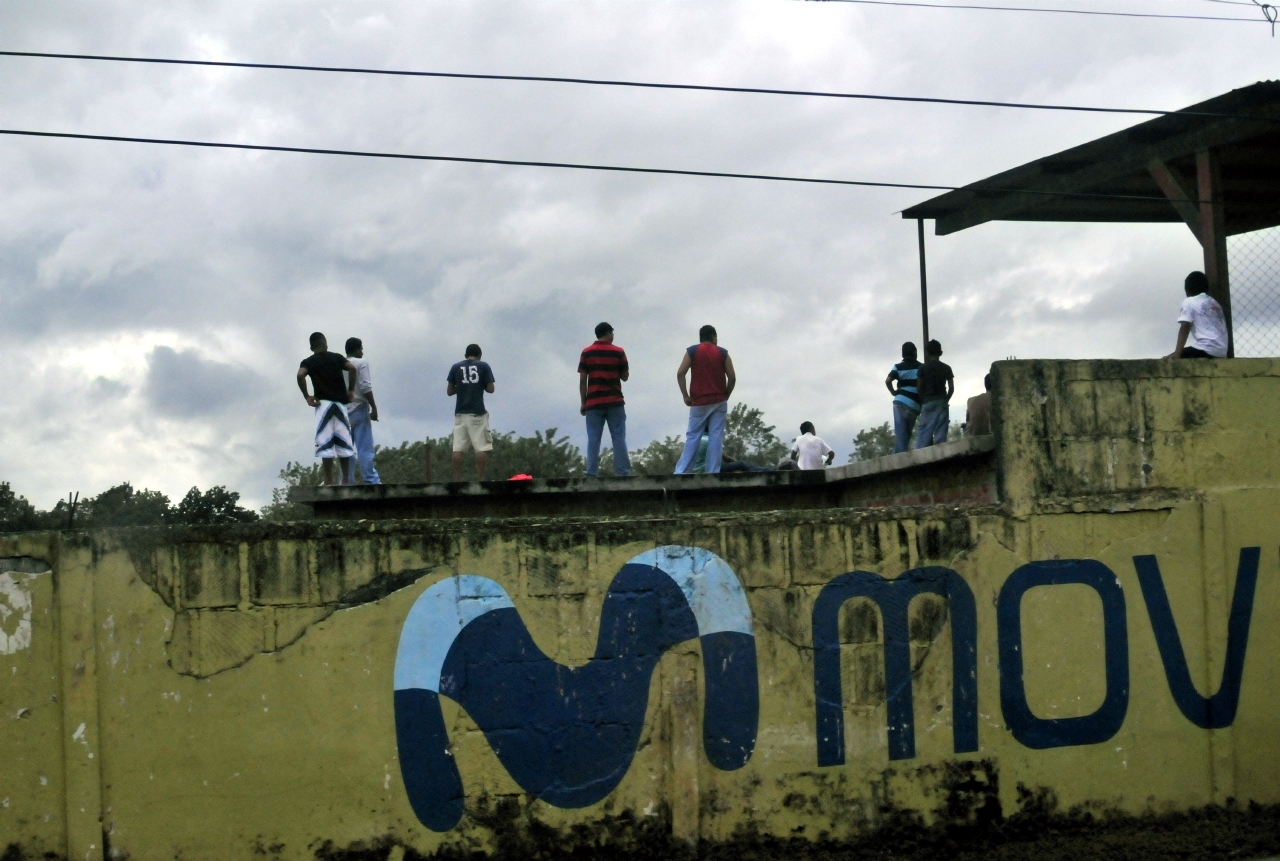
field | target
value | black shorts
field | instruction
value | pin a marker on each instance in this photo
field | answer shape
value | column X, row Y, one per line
column 1193, row 353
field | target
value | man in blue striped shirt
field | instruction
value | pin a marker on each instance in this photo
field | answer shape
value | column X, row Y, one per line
column 901, row 383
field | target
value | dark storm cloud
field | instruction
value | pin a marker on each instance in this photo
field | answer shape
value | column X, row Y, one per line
column 184, row 385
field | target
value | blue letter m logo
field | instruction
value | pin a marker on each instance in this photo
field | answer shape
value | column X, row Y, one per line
column 568, row 734
column 893, row 598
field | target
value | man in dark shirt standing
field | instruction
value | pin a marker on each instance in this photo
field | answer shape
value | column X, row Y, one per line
column 332, row 394
column 906, row 401
column 602, row 369
column 707, row 396
column 469, row 380
column 936, row 386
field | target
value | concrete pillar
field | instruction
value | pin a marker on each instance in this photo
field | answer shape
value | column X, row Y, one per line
column 77, row 646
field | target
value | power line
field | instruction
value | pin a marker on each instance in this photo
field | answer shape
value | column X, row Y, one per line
column 563, row 165
column 1042, row 9
column 604, row 82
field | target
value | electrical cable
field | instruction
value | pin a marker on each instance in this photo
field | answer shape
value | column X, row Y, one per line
column 564, row 165
column 1041, row 9
column 612, row 83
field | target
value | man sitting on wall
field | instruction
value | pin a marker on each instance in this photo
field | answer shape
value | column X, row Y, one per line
column 1202, row 327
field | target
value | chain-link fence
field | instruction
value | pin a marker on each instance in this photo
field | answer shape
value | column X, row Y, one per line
column 1253, row 266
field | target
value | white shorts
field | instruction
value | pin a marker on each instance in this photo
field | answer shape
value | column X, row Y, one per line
column 471, row 432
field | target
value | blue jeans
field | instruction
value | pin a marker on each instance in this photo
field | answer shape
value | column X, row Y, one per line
column 616, row 416
column 708, row 419
column 362, row 439
column 935, row 420
column 904, row 419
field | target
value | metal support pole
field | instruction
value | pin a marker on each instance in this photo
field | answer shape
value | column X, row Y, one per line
column 924, row 286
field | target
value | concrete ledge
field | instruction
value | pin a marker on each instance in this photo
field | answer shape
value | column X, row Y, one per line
column 919, row 457
column 952, row 472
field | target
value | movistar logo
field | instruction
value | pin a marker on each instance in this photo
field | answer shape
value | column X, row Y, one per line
column 568, row 734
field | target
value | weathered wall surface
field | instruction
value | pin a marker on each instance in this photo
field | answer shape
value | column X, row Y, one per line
column 208, row 706
column 1130, row 428
column 271, row 690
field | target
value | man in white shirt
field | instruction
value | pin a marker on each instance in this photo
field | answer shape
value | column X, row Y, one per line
column 1202, row 328
column 361, row 412
column 809, row 451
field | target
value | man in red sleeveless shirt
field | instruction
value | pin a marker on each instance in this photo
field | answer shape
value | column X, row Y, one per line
column 707, row 397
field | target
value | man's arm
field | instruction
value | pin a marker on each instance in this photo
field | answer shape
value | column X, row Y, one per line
column 1184, row 332
column 582, row 392
column 685, row 364
column 302, row 384
column 625, row 373
column 373, row 406
column 351, row 380
column 951, row 387
column 488, row 387
column 728, row 372
column 889, row 381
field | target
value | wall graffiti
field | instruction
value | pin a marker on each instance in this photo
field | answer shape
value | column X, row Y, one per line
column 893, row 597
column 1041, row 733
column 1219, row 710
column 568, row 734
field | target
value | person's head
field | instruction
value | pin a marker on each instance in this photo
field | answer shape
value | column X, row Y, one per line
column 986, row 382
column 318, row 342
column 355, row 348
column 908, row 352
column 932, row 350
column 472, row 352
column 707, row 333
column 807, row 427
column 604, row 332
column 1196, row 283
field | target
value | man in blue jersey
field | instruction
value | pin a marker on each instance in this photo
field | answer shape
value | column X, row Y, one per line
column 469, row 380
column 906, row 401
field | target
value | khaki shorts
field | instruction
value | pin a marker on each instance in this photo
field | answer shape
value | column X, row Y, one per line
column 471, row 432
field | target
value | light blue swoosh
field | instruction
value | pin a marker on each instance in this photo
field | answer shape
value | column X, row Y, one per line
column 709, row 585
column 434, row 622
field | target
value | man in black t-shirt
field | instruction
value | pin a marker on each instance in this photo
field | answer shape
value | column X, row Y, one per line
column 332, row 394
column 469, row 380
column 935, row 385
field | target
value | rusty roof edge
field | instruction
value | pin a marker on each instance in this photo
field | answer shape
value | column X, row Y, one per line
column 1261, row 99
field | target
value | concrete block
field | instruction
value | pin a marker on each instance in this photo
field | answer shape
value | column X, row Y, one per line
column 278, row 572
column 757, row 555
column 210, row 574
column 555, row 564
column 817, row 553
column 227, row 638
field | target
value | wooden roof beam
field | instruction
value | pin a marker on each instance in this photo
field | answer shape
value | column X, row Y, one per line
column 1176, row 190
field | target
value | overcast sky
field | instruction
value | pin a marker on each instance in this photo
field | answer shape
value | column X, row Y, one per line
column 155, row 302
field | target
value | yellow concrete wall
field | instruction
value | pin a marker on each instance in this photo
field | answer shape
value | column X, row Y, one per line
column 1069, row 428
column 212, row 738
column 228, row 693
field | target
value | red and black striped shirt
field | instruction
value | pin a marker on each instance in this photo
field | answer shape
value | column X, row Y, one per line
column 604, row 365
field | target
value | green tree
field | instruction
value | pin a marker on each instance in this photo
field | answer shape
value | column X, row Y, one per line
column 871, row 443
column 294, row 474
column 879, row 441
column 657, row 458
column 747, row 437
column 16, row 513
column 123, row 505
column 216, row 506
